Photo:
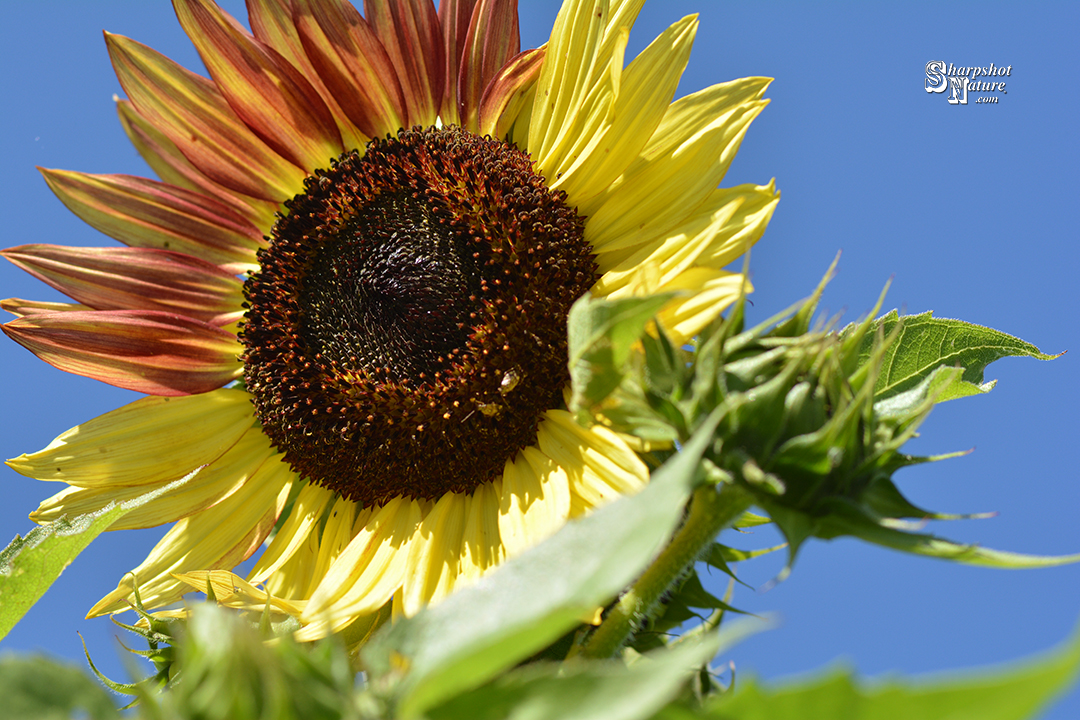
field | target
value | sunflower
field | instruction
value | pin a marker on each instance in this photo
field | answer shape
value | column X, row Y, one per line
column 346, row 297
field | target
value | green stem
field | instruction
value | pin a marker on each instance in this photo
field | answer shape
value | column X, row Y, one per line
column 711, row 511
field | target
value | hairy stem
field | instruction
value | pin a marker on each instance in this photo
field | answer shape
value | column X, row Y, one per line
column 711, row 510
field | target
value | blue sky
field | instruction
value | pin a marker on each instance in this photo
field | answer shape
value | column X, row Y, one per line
column 971, row 209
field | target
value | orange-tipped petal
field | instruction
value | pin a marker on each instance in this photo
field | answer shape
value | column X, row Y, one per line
column 267, row 93
column 135, row 279
column 454, row 17
column 410, row 32
column 146, row 213
column 191, row 112
column 491, row 42
column 272, row 22
column 163, row 157
column 22, row 308
column 353, row 64
column 507, row 92
column 150, row 352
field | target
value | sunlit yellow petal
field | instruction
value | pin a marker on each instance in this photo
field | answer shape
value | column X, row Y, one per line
column 152, row 440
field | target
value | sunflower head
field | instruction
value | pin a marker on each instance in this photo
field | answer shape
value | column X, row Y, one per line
column 347, row 294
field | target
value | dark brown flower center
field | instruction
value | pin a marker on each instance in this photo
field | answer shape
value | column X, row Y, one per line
column 407, row 327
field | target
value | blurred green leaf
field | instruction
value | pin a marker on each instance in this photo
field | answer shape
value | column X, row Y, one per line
column 601, row 335
column 591, row 690
column 1014, row 693
column 533, row 599
column 31, row 564
column 37, row 688
column 925, row 343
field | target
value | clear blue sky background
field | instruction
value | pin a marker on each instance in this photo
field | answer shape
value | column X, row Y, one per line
column 971, row 209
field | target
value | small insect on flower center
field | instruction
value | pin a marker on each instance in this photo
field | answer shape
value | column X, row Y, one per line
column 406, row 329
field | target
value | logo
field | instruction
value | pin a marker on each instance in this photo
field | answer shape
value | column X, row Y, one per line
column 959, row 81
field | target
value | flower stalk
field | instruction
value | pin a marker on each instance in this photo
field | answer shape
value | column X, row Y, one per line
column 711, row 510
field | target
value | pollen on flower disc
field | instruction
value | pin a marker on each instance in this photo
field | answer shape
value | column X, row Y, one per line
column 407, row 326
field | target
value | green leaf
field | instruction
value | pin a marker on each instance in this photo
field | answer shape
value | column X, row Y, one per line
column 925, row 343
column 601, row 335
column 591, row 690
column 30, row 565
column 43, row 689
column 844, row 518
column 533, row 599
column 1013, row 693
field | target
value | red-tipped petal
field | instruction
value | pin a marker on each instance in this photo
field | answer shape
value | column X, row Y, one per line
column 146, row 213
column 455, row 17
column 272, row 23
column 267, row 93
column 507, row 92
column 163, row 157
column 135, row 279
column 353, row 64
column 150, row 352
column 491, row 42
column 22, row 308
column 410, row 32
column 191, row 112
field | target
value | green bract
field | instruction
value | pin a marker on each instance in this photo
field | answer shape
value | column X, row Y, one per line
column 812, row 419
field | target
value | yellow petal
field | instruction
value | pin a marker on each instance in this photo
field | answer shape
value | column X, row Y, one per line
column 212, row 484
column 371, row 569
column 434, row 553
column 149, row 441
column 293, row 535
column 534, row 499
column 684, row 161
column 216, row 538
column 600, row 466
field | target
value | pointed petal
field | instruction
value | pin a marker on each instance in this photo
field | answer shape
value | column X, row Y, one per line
column 455, row 16
column 150, row 441
column 169, row 164
column 508, row 92
column 135, row 278
column 371, row 569
column 151, row 352
column 272, row 23
column 146, row 213
column 710, row 292
column 231, row 591
column 490, row 43
column 268, row 94
column 352, row 63
column 724, row 227
column 216, row 538
column 21, row 308
column 684, row 161
column 601, row 467
column 482, row 548
column 410, row 33
column 209, row 486
column 191, row 112
column 435, row 554
column 572, row 67
column 534, row 500
column 303, row 520
column 644, row 92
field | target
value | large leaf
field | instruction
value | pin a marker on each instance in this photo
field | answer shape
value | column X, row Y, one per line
column 533, row 599
column 925, row 343
column 1015, row 693
column 31, row 564
column 38, row 688
column 592, row 690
